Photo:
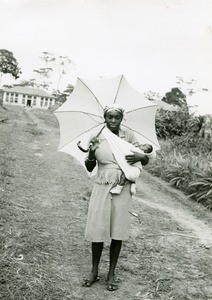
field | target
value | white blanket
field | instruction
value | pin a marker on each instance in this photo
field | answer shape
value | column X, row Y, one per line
column 120, row 148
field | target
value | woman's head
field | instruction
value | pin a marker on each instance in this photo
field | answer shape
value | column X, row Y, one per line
column 113, row 116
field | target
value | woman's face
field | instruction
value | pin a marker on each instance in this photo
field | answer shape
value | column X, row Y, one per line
column 113, row 120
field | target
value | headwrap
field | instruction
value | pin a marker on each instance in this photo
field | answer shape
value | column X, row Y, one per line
column 113, row 107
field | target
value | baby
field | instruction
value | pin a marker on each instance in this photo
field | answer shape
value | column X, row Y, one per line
column 147, row 149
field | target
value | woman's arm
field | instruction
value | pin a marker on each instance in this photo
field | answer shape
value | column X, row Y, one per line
column 135, row 157
column 90, row 161
column 144, row 160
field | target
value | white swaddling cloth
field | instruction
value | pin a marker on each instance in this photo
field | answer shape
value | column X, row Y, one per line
column 120, row 148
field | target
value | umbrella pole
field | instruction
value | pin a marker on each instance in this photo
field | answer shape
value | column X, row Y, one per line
column 100, row 132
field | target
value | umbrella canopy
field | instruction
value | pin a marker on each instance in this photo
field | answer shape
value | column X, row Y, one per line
column 81, row 115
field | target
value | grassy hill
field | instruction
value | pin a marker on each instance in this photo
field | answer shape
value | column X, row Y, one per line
column 44, row 198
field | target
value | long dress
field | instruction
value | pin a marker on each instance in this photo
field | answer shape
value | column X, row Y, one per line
column 109, row 215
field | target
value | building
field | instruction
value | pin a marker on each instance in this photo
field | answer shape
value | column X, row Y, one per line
column 27, row 96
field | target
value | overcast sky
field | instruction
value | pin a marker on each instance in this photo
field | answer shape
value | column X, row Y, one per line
column 151, row 42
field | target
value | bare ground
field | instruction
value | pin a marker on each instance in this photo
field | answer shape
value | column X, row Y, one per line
column 44, row 199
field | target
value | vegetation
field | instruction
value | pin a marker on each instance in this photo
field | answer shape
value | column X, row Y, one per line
column 50, row 75
column 53, row 67
column 8, row 64
column 175, row 97
column 185, row 157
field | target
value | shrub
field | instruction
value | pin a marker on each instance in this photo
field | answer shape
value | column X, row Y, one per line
column 185, row 168
column 190, row 143
column 184, row 159
column 171, row 123
column 201, row 188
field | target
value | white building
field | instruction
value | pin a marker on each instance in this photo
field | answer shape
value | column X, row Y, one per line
column 26, row 96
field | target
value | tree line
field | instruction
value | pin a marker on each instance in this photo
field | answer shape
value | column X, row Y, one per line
column 52, row 66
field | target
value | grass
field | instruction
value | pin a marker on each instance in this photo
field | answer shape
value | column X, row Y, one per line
column 186, row 169
column 44, row 200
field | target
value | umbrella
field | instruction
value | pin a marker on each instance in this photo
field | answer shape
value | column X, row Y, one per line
column 81, row 115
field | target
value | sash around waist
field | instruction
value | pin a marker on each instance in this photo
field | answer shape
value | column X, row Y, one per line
column 108, row 166
column 108, row 173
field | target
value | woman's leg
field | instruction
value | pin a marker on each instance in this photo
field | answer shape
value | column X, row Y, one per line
column 115, row 248
column 96, row 255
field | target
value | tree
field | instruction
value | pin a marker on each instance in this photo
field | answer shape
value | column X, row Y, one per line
column 152, row 96
column 34, row 84
column 31, row 82
column 69, row 89
column 44, row 73
column 60, row 97
column 53, row 67
column 8, row 64
column 175, row 97
column 172, row 123
column 62, row 64
column 189, row 87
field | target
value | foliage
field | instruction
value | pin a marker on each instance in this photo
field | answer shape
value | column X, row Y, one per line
column 44, row 72
column 60, row 97
column 69, row 89
column 191, row 142
column 31, row 82
column 189, row 87
column 185, row 156
column 53, row 66
column 171, row 123
column 8, row 64
column 201, row 188
column 183, row 161
column 152, row 96
column 175, row 97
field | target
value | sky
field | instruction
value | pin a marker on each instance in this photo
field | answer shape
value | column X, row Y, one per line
column 151, row 42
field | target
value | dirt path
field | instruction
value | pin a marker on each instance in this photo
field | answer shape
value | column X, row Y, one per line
column 167, row 257
column 178, row 207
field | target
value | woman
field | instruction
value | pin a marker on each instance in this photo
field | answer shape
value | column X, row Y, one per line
column 108, row 215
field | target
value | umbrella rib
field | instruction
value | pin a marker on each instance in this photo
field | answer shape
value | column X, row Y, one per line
column 80, row 135
column 118, row 88
column 90, row 91
column 78, row 111
column 141, row 135
column 129, row 111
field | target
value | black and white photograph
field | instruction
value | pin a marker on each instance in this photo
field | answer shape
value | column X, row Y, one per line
column 105, row 149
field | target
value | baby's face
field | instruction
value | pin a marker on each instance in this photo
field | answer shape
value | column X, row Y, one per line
column 147, row 148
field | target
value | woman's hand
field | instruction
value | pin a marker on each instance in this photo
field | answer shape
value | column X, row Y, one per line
column 90, row 162
column 93, row 144
column 135, row 157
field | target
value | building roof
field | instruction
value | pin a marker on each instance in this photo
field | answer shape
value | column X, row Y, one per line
column 27, row 91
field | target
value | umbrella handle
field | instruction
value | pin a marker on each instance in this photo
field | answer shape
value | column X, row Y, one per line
column 82, row 149
column 86, row 150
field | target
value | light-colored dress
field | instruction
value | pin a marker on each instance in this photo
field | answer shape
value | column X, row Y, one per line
column 108, row 215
